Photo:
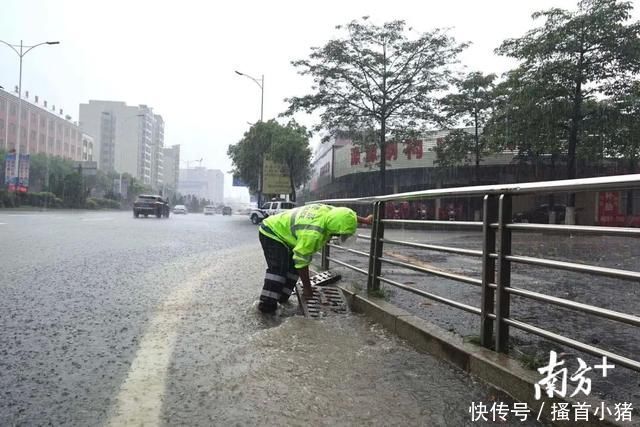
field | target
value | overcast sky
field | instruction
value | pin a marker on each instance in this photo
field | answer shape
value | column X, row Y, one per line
column 179, row 57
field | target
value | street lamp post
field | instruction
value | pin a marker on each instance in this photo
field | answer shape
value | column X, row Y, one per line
column 21, row 53
column 260, row 84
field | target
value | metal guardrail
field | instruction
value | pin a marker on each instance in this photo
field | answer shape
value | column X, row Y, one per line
column 497, row 257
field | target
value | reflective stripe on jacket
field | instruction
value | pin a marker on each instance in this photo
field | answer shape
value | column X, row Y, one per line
column 306, row 229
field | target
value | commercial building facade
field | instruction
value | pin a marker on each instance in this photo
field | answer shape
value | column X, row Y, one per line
column 42, row 128
column 129, row 139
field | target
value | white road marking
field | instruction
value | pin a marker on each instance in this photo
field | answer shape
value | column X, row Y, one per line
column 3, row 223
column 140, row 399
column 96, row 219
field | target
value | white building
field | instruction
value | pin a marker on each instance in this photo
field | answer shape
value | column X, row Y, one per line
column 128, row 139
column 203, row 183
column 171, row 163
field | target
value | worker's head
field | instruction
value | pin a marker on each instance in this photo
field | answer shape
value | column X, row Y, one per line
column 341, row 222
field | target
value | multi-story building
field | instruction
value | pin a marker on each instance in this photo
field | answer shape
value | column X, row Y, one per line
column 171, row 163
column 42, row 128
column 128, row 139
column 203, row 183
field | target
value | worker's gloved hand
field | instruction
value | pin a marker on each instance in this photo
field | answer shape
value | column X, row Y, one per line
column 365, row 220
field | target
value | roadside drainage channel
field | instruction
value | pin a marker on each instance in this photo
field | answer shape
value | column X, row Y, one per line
column 327, row 299
column 498, row 370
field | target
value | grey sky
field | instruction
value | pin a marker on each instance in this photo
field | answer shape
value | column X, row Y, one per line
column 179, row 56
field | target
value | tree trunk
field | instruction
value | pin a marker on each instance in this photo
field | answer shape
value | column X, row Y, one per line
column 383, row 158
column 477, row 140
column 632, row 169
column 292, row 196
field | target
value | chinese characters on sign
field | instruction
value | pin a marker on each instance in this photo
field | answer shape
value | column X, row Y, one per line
column 412, row 150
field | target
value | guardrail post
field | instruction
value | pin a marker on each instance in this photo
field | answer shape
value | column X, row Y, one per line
column 487, row 305
column 324, row 255
column 375, row 252
column 503, row 273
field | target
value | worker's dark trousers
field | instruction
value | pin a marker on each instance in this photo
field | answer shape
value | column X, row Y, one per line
column 281, row 276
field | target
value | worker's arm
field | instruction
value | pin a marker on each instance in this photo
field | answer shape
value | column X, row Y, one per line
column 306, row 281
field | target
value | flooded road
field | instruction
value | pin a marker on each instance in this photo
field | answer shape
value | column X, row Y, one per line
column 107, row 320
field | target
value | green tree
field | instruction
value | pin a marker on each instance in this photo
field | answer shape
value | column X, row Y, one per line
column 377, row 77
column 248, row 154
column 578, row 54
column 470, row 106
column 291, row 147
column 530, row 118
column 288, row 145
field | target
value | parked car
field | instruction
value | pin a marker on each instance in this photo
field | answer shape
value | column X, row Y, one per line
column 148, row 204
column 540, row 214
column 209, row 210
column 270, row 208
column 227, row 210
column 180, row 209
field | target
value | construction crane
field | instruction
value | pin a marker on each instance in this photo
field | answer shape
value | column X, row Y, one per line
column 191, row 161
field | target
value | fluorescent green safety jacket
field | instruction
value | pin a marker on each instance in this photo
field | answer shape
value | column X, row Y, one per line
column 306, row 229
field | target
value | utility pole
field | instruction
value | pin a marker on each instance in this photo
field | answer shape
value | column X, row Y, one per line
column 21, row 53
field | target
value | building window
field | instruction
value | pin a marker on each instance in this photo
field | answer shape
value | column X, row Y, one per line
column 2, row 104
column 13, row 109
column 12, row 129
column 1, row 124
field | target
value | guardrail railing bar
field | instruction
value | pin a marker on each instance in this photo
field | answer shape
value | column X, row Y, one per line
column 575, row 267
column 439, row 273
column 578, row 306
column 487, row 299
column 578, row 229
column 431, row 296
column 349, row 266
column 353, row 251
column 362, row 236
column 377, row 233
column 437, row 248
column 621, row 360
column 324, row 258
column 452, row 224
column 607, row 183
column 503, row 273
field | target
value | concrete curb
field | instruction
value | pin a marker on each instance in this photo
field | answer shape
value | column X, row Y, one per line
column 498, row 370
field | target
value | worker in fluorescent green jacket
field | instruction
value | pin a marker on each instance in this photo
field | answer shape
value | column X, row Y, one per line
column 289, row 240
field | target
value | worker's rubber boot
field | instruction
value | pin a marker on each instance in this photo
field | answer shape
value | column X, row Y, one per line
column 267, row 308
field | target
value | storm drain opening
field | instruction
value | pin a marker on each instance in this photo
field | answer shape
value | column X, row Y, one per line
column 326, row 300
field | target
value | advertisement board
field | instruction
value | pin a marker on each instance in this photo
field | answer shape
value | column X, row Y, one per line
column 21, row 182
column 418, row 153
column 274, row 179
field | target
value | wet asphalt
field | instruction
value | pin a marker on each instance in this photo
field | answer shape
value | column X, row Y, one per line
column 110, row 320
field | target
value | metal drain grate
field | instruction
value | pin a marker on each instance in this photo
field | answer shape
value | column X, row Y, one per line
column 326, row 300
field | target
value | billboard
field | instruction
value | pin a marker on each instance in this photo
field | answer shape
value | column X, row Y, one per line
column 21, row 182
column 274, row 180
